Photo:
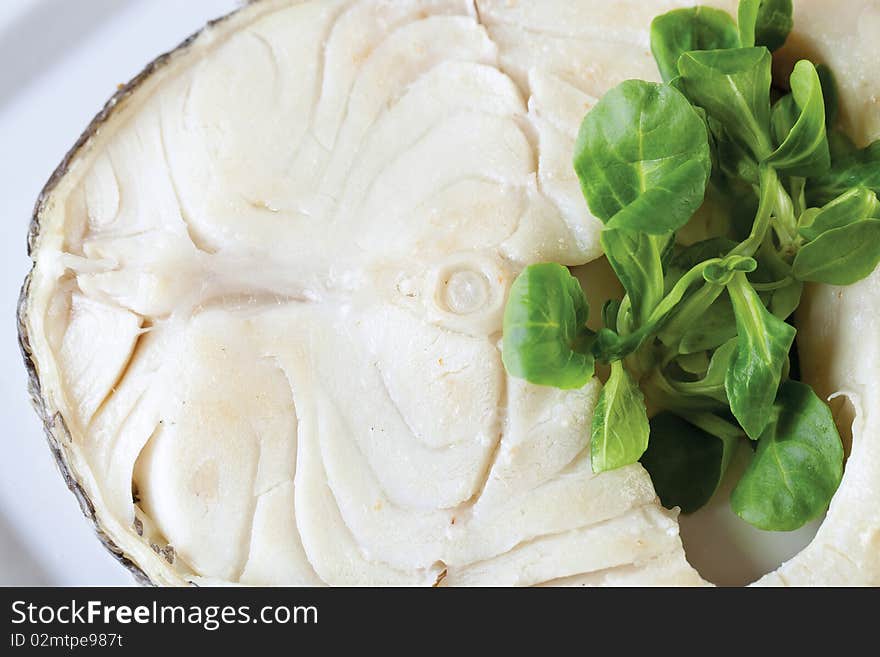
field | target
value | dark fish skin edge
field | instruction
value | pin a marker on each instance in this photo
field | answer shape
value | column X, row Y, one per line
column 53, row 423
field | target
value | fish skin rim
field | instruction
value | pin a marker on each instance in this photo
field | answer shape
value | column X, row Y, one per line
column 54, row 425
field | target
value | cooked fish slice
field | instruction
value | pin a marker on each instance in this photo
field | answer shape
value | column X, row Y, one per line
column 302, row 227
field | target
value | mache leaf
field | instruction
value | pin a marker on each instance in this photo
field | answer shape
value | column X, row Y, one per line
column 797, row 467
column 763, row 343
column 713, row 329
column 642, row 157
column 546, row 340
column 765, row 22
column 620, row 429
column 733, row 86
column 635, row 258
column 830, row 93
column 610, row 310
column 786, row 299
column 799, row 124
column 712, row 384
column 736, row 162
column 841, row 256
column 693, row 28
column 850, row 167
column 856, row 205
column 686, row 464
column 696, row 363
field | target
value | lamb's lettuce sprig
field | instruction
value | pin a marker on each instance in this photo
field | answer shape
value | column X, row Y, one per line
column 701, row 335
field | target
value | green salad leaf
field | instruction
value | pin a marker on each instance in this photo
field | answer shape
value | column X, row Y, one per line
column 642, row 157
column 850, row 167
column 620, row 423
column 797, row 467
column 686, row 464
column 786, row 299
column 610, row 311
column 635, row 258
column 713, row 383
column 692, row 28
column 546, row 340
column 841, row 256
column 765, row 22
column 716, row 326
column 733, row 86
column 763, row 343
column 857, row 204
column 696, row 363
column 747, row 22
column 799, row 125
column 739, row 166
column 829, row 93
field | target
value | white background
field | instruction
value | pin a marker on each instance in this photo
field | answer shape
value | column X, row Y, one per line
column 60, row 60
